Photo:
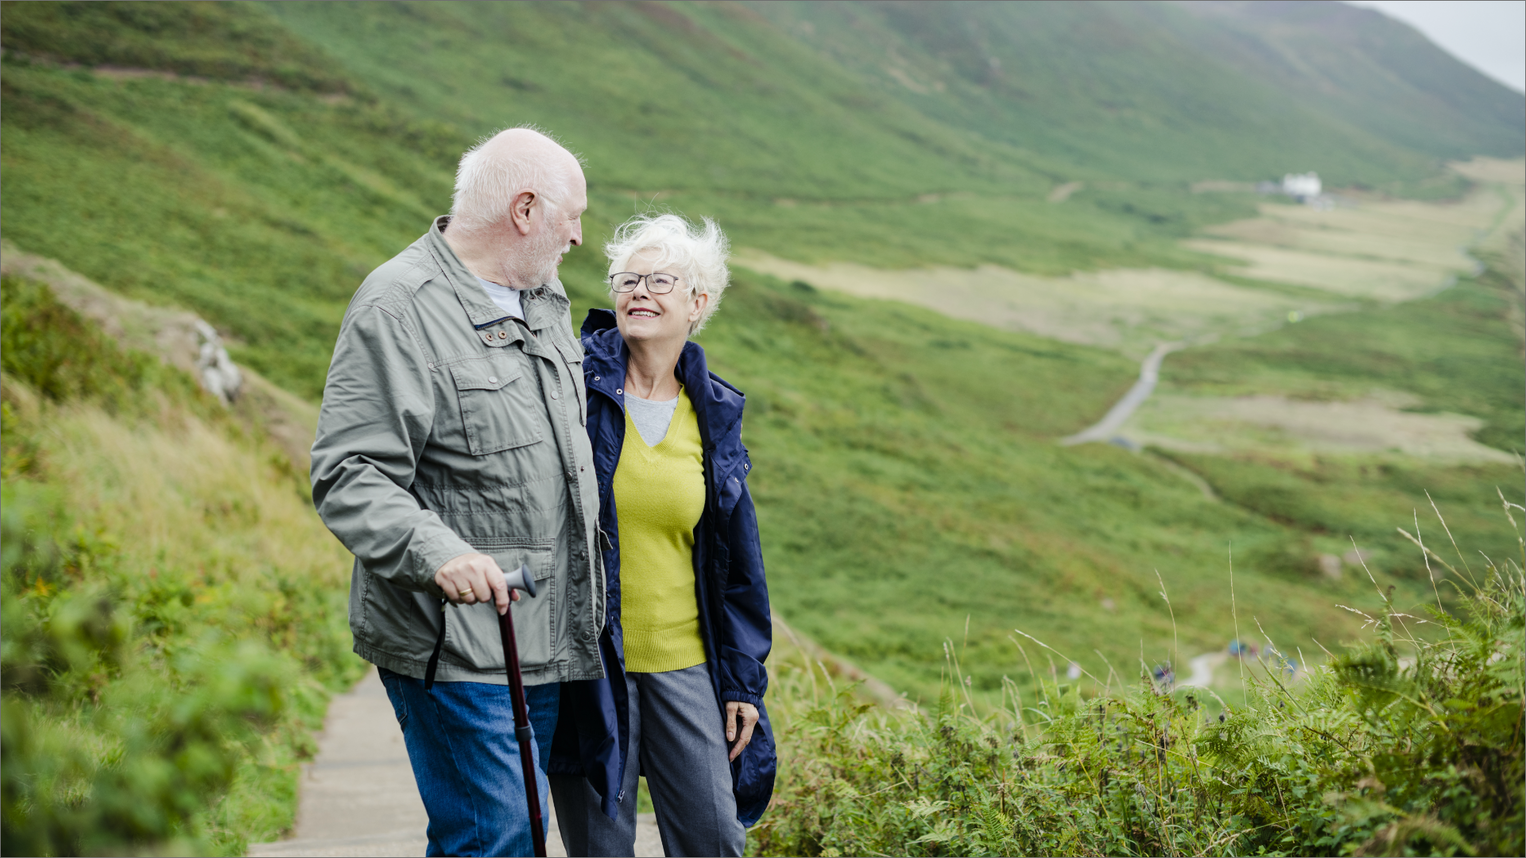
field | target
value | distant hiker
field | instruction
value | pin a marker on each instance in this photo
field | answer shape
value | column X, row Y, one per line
column 450, row 448
column 689, row 620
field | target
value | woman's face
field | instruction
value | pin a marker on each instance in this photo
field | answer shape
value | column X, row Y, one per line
column 645, row 317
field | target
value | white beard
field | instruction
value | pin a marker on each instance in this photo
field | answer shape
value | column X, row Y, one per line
column 535, row 262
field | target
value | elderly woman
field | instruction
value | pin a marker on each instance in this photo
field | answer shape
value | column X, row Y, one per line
column 689, row 627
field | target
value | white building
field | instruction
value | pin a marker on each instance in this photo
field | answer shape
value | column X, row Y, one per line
column 1302, row 186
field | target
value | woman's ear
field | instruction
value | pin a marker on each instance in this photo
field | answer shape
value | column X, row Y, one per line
column 701, row 301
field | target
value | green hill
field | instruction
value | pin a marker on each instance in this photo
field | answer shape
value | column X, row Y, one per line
column 173, row 611
column 253, row 162
column 1163, row 92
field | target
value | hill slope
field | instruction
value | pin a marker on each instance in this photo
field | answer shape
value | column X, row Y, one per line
column 173, row 611
column 1157, row 91
column 894, row 446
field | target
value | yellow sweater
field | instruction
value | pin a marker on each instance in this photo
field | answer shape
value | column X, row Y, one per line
column 659, row 497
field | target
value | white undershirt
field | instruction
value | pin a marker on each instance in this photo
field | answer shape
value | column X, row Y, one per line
column 507, row 299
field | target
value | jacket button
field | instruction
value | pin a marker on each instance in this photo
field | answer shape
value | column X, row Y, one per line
column 553, row 394
column 596, row 378
column 492, row 379
column 503, row 335
column 620, row 390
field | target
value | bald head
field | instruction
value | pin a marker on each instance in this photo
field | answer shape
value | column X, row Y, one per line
column 519, row 202
column 495, row 173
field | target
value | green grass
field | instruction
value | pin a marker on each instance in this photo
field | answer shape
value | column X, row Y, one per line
column 909, row 485
column 224, row 41
column 1401, row 746
column 894, row 447
column 174, row 613
column 1457, row 351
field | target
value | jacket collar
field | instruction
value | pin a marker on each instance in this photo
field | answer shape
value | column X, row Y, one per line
column 543, row 306
column 717, row 404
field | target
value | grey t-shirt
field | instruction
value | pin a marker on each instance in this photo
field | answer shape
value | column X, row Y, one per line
column 507, row 299
column 651, row 417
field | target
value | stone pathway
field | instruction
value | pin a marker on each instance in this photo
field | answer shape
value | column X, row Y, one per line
column 358, row 796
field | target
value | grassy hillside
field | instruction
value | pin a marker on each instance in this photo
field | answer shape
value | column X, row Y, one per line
column 909, row 481
column 1154, row 91
column 1401, row 746
column 1375, row 72
column 173, row 611
column 253, row 162
column 893, row 445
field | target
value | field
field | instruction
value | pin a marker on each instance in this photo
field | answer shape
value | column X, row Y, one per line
column 251, row 163
column 1291, row 262
column 892, row 443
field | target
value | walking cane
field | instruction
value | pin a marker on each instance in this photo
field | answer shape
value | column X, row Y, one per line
column 522, row 580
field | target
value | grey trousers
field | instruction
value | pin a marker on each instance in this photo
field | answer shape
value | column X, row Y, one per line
column 679, row 738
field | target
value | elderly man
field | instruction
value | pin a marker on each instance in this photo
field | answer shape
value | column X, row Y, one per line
column 450, row 448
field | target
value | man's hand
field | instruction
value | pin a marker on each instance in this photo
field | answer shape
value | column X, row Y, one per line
column 748, row 715
column 473, row 578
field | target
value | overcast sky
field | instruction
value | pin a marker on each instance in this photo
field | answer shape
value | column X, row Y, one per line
column 1489, row 35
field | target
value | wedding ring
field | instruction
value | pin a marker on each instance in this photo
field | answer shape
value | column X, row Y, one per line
column 466, row 591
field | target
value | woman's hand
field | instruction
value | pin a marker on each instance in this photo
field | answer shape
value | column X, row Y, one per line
column 748, row 714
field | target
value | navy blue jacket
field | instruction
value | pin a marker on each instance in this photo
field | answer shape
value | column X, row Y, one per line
column 592, row 734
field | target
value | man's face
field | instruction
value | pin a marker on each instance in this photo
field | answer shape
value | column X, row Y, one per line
column 560, row 227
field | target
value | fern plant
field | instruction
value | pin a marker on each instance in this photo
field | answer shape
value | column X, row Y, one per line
column 1379, row 752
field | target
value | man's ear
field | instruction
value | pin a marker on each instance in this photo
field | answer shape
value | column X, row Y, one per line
column 519, row 215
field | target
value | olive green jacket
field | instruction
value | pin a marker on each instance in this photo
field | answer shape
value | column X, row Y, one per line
column 449, row 428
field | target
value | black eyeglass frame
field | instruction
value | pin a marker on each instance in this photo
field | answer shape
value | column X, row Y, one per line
column 647, row 278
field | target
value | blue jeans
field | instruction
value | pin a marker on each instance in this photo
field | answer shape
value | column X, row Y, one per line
column 460, row 740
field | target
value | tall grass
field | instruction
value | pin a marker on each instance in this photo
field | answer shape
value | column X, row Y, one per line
column 174, row 612
column 1406, row 743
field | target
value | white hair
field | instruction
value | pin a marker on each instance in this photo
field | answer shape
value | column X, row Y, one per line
column 487, row 182
column 695, row 252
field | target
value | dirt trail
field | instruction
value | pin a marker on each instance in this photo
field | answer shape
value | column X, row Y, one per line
column 1202, row 670
column 1149, row 376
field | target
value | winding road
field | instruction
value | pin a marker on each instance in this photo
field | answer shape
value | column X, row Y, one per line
column 1149, row 374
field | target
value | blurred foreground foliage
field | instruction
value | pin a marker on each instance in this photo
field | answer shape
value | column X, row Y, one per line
column 172, row 614
column 1403, row 744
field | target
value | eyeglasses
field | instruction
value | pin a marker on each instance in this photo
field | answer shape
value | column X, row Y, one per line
column 656, row 283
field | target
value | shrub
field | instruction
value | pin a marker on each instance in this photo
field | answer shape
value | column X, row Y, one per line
column 1379, row 752
column 172, row 610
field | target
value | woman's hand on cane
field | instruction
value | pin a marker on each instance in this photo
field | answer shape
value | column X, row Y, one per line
column 748, row 715
column 472, row 578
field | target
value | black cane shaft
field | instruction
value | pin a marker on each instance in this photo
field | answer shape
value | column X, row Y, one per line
column 522, row 729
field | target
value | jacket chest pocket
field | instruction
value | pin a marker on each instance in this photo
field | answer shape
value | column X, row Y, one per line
column 500, row 407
